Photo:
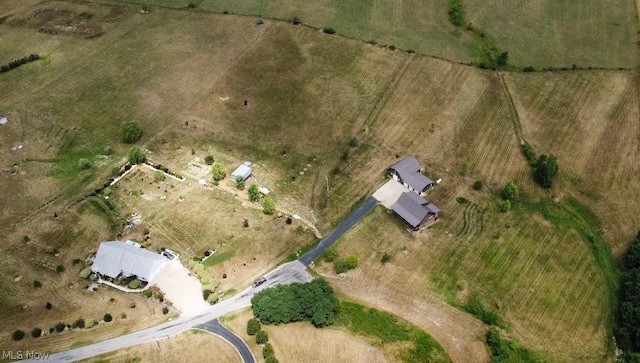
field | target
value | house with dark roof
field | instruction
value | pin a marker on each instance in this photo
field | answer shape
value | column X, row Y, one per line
column 118, row 259
column 415, row 210
column 408, row 172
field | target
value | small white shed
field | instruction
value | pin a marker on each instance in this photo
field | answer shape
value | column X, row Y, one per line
column 243, row 171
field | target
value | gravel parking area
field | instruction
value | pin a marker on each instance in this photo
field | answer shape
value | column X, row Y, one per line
column 183, row 290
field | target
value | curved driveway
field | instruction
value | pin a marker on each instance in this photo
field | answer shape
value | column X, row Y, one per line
column 214, row 326
column 285, row 274
column 343, row 227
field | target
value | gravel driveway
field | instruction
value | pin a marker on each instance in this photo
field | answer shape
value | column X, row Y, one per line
column 184, row 291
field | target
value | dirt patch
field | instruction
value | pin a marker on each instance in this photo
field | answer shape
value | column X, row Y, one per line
column 87, row 22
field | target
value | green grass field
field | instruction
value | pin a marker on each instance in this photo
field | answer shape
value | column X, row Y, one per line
column 542, row 34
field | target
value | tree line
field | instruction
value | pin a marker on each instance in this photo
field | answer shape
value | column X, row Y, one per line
column 627, row 330
column 18, row 62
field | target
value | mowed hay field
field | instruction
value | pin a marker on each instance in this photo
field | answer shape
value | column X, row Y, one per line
column 540, row 276
column 541, row 280
column 590, row 121
column 210, row 348
column 301, row 342
column 550, row 33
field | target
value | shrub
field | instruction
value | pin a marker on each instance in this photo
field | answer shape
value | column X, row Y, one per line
column 85, row 273
column 254, row 193
column 192, row 5
column 385, row 258
column 17, row 335
column 135, row 155
column 529, row 69
column 76, row 261
column 48, row 306
column 208, row 160
column 60, row 269
column 130, row 132
column 330, row 255
column 147, row 293
column 240, row 182
column 345, row 264
column 25, row 238
column 36, row 332
column 158, row 176
column 328, row 30
column 529, row 154
column 296, row 20
column 272, row 359
column 410, row 51
column 134, row 284
column 253, row 326
column 353, row 142
column 60, row 327
column 78, row 323
column 262, row 337
column 268, row 206
column 466, row 168
column 107, row 317
column 165, row 310
column 84, row 164
column 259, row 21
column 37, row 284
column 268, row 351
column 392, row 47
column 546, row 170
column 505, row 206
column 218, row 171
column 510, row 191
column 477, row 185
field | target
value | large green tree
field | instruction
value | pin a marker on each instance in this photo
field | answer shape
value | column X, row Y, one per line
column 510, row 191
column 546, row 170
column 314, row 301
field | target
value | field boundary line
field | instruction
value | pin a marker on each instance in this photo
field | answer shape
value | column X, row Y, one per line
column 517, row 126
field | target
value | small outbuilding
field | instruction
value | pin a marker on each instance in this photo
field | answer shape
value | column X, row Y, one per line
column 243, row 171
column 119, row 259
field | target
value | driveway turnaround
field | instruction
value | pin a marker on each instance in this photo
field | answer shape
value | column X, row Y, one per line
column 343, row 227
column 284, row 274
column 214, row 326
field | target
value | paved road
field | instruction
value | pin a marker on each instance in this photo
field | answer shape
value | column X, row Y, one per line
column 343, row 227
column 214, row 326
column 284, row 274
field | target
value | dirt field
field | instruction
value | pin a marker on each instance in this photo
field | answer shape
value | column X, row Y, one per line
column 210, row 347
column 301, row 342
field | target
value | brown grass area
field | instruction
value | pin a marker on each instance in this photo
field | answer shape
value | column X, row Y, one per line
column 210, row 347
column 192, row 219
column 589, row 120
column 301, row 342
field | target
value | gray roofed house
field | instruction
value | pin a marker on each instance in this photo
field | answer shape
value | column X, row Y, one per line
column 415, row 210
column 115, row 258
column 409, row 173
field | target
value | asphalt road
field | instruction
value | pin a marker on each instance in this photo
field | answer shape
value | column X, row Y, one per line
column 214, row 326
column 343, row 227
column 284, row 274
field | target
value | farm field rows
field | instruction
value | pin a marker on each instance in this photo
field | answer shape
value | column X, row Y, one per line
column 589, row 120
column 521, row 271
